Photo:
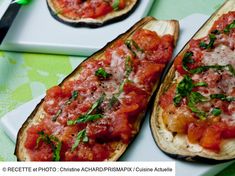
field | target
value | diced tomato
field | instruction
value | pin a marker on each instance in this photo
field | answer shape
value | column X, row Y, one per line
column 223, row 21
column 146, row 39
column 148, row 73
column 102, row 9
column 122, row 4
column 100, row 152
column 121, row 128
column 195, row 131
column 229, row 132
column 166, row 99
column 32, row 136
column 99, row 130
column 42, row 153
column 82, row 153
column 180, row 120
column 211, row 138
column 178, row 65
column 54, row 92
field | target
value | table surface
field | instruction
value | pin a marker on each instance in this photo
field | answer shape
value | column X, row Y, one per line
column 24, row 76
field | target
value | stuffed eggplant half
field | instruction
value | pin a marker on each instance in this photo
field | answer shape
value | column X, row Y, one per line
column 194, row 111
column 91, row 13
column 95, row 113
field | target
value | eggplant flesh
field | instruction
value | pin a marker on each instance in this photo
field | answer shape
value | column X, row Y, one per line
column 109, row 18
column 177, row 145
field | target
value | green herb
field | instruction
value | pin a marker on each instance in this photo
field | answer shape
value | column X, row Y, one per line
column 216, row 67
column 216, row 111
column 81, row 136
column 115, row 5
column 222, row 97
column 193, row 99
column 73, row 97
column 201, row 84
column 113, row 100
column 229, row 27
column 101, row 73
column 216, row 32
column 130, row 44
column 85, row 118
column 54, row 118
column 187, row 59
column 53, row 142
column 183, row 89
column 128, row 66
column 88, row 117
column 212, row 38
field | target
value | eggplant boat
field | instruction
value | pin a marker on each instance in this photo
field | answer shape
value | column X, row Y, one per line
column 95, row 113
column 194, row 111
column 91, row 13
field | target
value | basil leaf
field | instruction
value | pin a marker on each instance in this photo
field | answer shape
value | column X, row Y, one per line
column 132, row 43
column 101, row 73
column 115, row 5
column 187, row 59
column 84, row 119
column 177, row 99
column 74, row 95
column 128, row 66
column 203, row 45
column 88, row 117
column 229, row 27
column 54, row 118
column 216, row 32
column 193, row 99
column 217, row 67
column 210, row 45
column 222, row 97
column 216, row 111
column 201, row 84
column 53, row 141
column 81, row 136
column 113, row 100
column 96, row 104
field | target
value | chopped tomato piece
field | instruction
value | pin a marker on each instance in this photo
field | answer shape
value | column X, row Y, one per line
column 147, row 40
column 195, row 131
column 167, row 98
column 229, row 132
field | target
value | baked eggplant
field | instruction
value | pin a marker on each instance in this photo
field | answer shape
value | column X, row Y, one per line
column 193, row 114
column 93, row 13
column 95, row 113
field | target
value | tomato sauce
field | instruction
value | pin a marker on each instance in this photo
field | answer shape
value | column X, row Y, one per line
column 78, row 9
column 99, row 109
column 211, row 118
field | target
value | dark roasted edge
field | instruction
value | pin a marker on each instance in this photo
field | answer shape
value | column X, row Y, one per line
column 94, row 24
column 195, row 158
column 77, row 69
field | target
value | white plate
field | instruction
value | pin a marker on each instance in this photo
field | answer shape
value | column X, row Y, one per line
column 35, row 30
column 143, row 147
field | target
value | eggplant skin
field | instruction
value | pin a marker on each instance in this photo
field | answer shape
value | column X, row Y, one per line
column 159, row 26
column 94, row 23
column 177, row 145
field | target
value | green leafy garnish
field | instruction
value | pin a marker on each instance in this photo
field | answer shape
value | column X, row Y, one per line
column 115, row 5
column 216, row 111
column 229, row 27
column 54, row 118
column 81, row 136
column 210, row 45
column 201, row 84
column 101, row 73
column 216, row 32
column 132, row 44
column 128, row 66
column 85, row 118
column 72, row 98
column 222, row 97
column 193, row 99
column 113, row 100
column 53, row 142
column 183, row 89
column 216, row 67
column 187, row 59
column 88, row 117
